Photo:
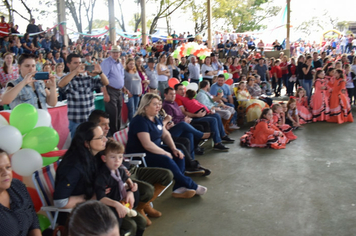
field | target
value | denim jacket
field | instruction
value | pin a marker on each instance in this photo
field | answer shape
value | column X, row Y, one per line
column 27, row 95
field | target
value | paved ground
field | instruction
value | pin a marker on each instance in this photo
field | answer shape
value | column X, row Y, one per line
column 307, row 189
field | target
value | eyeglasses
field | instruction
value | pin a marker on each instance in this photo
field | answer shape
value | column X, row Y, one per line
column 102, row 137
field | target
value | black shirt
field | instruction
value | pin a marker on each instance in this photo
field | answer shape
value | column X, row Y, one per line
column 21, row 217
column 104, row 180
column 309, row 75
column 317, row 64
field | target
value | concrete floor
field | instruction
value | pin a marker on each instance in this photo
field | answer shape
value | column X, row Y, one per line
column 309, row 188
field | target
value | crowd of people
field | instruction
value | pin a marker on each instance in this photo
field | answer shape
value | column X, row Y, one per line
column 168, row 123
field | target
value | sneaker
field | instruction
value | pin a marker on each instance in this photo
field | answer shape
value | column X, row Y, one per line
column 199, row 151
column 201, row 190
column 183, row 192
column 227, row 139
column 206, row 171
column 234, row 126
column 195, row 171
column 221, row 147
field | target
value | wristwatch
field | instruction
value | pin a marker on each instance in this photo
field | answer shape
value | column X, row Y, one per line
column 100, row 72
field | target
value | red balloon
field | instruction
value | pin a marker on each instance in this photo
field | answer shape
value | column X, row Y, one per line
column 6, row 115
column 172, row 82
column 16, row 176
column 35, row 198
column 229, row 82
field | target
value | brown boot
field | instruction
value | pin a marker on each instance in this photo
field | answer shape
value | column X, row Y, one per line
column 225, row 126
column 148, row 208
column 140, row 209
column 228, row 125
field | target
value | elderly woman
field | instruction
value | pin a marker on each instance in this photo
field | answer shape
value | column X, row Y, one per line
column 26, row 89
column 208, row 71
column 146, row 133
column 255, row 90
column 18, row 216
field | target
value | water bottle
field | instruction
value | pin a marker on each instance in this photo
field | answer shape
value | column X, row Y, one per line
column 126, row 98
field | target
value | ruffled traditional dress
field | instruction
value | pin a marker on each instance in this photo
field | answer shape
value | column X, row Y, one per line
column 286, row 129
column 329, row 84
column 305, row 116
column 340, row 108
column 253, row 106
column 320, row 100
column 264, row 135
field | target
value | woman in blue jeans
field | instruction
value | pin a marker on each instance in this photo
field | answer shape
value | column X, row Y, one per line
column 133, row 85
column 146, row 134
column 308, row 71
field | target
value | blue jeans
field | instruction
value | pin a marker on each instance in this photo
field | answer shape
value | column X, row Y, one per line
column 176, row 165
column 186, row 130
column 307, row 85
column 216, row 126
column 132, row 105
column 285, row 80
column 72, row 127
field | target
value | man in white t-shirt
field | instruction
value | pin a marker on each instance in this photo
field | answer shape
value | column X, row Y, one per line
column 233, row 36
column 217, row 38
column 343, row 43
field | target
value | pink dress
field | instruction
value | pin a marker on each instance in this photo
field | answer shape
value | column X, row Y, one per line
column 4, row 78
column 305, row 116
column 286, row 129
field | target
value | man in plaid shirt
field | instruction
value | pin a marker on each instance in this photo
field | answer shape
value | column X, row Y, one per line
column 78, row 85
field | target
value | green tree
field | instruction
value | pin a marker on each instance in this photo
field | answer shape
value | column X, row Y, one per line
column 99, row 24
column 244, row 15
column 194, row 10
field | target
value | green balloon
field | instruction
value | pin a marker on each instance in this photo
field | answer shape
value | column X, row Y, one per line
column 188, row 51
column 226, row 75
column 41, row 139
column 44, row 222
column 24, row 117
column 185, row 83
column 49, row 160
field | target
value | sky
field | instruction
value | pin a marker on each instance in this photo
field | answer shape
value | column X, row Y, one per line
column 301, row 10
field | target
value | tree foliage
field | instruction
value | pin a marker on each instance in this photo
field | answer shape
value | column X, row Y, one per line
column 194, row 10
column 244, row 15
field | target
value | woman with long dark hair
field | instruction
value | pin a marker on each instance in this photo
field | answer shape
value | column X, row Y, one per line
column 75, row 176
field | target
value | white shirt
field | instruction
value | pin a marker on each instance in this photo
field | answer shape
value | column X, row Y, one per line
column 194, row 71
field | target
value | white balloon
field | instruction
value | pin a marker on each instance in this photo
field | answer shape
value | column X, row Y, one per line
column 44, row 118
column 10, row 139
column 230, row 76
column 26, row 161
column 193, row 86
column 3, row 121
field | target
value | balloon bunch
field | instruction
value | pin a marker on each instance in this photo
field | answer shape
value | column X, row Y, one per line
column 190, row 48
column 25, row 134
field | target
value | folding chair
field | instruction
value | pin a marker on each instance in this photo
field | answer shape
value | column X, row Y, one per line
column 43, row 180
column 122, row 137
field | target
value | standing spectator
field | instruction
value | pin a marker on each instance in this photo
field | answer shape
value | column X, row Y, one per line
column 133, row 85
column 142, row 73
column 235, row 69
column 194, row 70
column 284, row 67
column 262, row 70
column 113, row 92
column 32, row 28
column 79, row 86
column 308, row 72
column 349, row 43
column 173, row 68
column 183, row 68
column 277, row 78
column 317, row 63
column 152, row 74
column 175, row 41
column 163, row 74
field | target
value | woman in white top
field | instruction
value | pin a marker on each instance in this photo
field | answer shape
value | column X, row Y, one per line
column 207, row 70
column 163, row 74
